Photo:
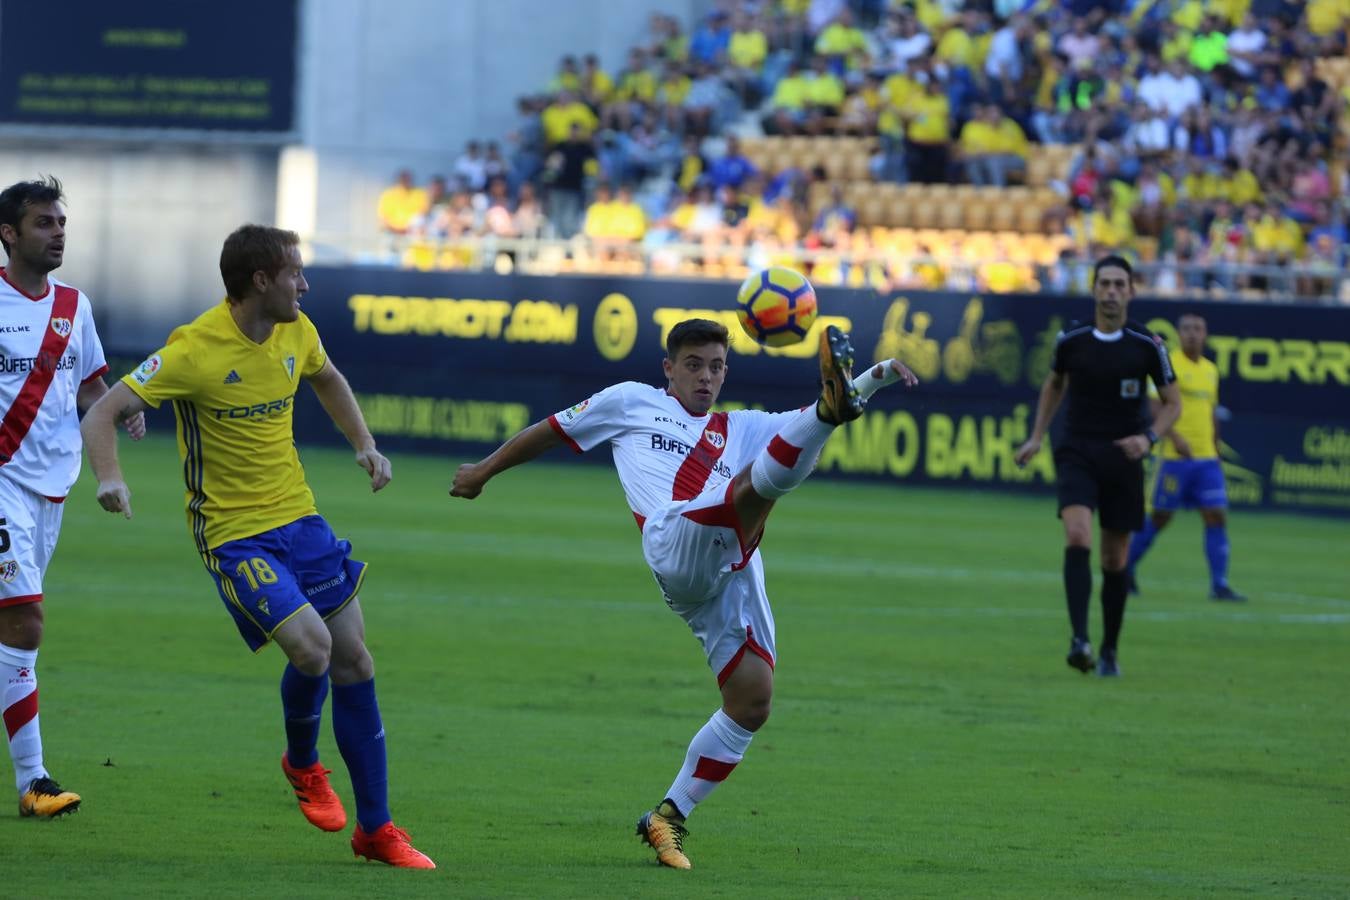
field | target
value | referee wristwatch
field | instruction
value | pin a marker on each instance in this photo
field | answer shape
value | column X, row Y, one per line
column 1152, row 437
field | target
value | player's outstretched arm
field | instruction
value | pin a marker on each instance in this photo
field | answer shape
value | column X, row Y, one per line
column 521, row 448
column 92, row 391
column 99, row 430
column 335, row 394
column 1052, row 393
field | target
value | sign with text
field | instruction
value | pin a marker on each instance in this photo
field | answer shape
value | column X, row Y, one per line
column 149, row 63
column 458, row 363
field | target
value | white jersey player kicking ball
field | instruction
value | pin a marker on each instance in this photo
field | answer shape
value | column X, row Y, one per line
column 701, row 485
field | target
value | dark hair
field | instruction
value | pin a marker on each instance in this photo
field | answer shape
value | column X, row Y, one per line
column 17, row 198
column 695, row 333
column 1115, row 261
column 253, row 248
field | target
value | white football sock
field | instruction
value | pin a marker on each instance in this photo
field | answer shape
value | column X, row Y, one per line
column 791, row 455
column 19, row 702
column 713, row 753
column 868, row 383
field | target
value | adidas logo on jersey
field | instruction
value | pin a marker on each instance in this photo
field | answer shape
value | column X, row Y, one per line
column 233, row 377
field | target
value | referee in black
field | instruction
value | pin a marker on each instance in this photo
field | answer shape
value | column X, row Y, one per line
column 1099, row 462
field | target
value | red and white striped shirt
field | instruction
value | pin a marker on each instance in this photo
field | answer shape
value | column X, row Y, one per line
column 662, row 451
column 48, row 349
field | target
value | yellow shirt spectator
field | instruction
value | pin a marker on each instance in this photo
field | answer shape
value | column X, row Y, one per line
column 1188, row 15
column 899, row 89
column 977, row 138
column 672, row 91
column 1242, row 188
column 628, row 220
column 639, row 85
column 955, row 47
column 1327, row 16
column 825, row 90
column 790, row 92
column 600, row 85
column 400, row 205
column 1278, row 234
column 931, row 122
column 557, row 120
column 1010, row 138
column 1178, row 46
column 840, row 40
column 748, row 50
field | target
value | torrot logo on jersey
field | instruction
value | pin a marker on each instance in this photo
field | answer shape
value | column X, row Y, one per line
column 147, row 370
column 257, row 410
column 61, row 326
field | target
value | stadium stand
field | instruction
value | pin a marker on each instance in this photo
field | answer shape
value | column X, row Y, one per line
column 992, row 145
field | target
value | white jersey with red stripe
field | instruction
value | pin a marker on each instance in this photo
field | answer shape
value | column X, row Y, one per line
column 662, row 451
column 48, row 349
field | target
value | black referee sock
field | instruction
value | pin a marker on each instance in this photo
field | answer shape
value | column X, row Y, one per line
column 1115, row 587
column 1078, row 588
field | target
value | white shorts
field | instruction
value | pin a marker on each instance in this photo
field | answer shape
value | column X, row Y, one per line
column 712, row 578
column 29, row 527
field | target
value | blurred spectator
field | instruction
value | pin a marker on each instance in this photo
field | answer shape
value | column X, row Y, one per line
column 928, row 134
column 470, row 168
column 788, row 103
column 1245, row 48
column 711, row 39
column 565, row 173
column 1271, row 92
column 835, row 216
column 991, row 147
column 732, row 168
column 595, row 84
column 401, row 204
column 841, row 44
column 528, row 219
column 746, row 53
column 904, row 40
column 563, row 115
column 1080, row 46
column 498, row 220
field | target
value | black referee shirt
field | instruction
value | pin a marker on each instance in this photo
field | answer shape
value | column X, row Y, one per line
column 1108, row 397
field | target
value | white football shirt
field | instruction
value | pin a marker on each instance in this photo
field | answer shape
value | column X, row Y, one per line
column 662, row 451
column 48, row 349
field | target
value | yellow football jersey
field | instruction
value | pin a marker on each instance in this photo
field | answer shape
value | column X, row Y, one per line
column 234, row 402
column 1199, row 386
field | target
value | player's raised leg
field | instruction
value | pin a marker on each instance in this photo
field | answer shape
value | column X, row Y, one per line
column 360, row 738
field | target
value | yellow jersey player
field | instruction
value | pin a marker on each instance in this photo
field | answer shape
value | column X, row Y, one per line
column 232, row 375
column 1190, row 475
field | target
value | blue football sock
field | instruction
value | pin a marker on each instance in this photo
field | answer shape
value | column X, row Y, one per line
column 360, row 738
column 1216, row 551
column 1140, row 542
column 302, row 699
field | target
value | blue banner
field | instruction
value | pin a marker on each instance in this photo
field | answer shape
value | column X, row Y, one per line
column 149, row 64
column 456, row 363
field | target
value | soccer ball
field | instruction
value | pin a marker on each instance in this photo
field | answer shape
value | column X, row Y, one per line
column 776, row 306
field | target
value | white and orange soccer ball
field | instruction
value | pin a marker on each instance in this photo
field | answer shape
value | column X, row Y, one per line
column 776, row 306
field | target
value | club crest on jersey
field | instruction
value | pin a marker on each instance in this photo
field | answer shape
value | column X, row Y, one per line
column 1129, row 388
column 147, row 370
column 715, row 439
column 62, row 326
column 9, row 570
column 290, row 366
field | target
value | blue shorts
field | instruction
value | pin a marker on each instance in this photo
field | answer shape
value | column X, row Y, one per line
column 268, row 578
column 1189, row 484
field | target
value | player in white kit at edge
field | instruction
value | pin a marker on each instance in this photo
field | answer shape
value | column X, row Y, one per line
column 701, row 485
column 51, row 364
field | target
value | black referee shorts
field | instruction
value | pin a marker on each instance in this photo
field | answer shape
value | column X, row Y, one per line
column 1097, row 474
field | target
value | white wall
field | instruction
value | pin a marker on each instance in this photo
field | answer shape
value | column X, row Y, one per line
column 406, row 83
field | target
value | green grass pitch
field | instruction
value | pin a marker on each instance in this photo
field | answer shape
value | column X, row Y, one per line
column 927, row 738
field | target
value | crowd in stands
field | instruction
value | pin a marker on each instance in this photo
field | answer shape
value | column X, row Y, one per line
column 1206, row 138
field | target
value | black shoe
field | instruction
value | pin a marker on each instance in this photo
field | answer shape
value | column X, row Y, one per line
column 1226, row 595
column 1080, row 655
column 1107, row 667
